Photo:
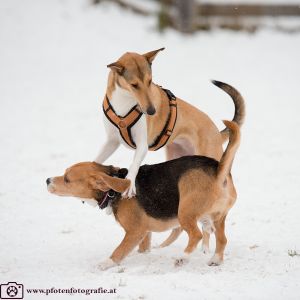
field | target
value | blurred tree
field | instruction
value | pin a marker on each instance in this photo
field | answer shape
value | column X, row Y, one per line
column 186, row 10
column 188, row 16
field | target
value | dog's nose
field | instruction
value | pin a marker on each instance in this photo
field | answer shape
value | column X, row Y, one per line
column 48, row 181
column 151, row 111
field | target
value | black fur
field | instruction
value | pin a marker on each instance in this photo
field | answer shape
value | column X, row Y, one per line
column 157, row 185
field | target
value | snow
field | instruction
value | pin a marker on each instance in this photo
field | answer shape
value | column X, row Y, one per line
column 53, row 57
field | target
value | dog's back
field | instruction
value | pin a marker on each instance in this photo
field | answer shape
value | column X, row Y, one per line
column 157, row 185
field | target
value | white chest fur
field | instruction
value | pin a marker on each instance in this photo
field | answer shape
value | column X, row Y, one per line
column 122, row 101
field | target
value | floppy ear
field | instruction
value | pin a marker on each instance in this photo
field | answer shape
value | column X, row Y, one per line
column 116, row 67
column 105, row 182
column 119, row 185
column 152, row 54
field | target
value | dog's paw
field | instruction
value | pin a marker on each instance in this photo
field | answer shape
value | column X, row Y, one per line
column 204, row 249
column 106, row 264
column 142, row 250
column 130, row 192
column 215, row 261
column 179, row 262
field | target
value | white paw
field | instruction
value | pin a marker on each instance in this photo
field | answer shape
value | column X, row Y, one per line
column 131, row 191
column 215, row 260
column 106, row 264
column 179, row 262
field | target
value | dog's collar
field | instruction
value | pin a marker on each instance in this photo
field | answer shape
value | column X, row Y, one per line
column 111, row 195
column 124, row 124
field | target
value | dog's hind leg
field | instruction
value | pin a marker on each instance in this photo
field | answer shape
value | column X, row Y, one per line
column 190, row 226
column 188, row 221
column 172, row 237
column 178, row 149
column 145, row 244
column 221, row 242
column 205, row 242
column 208, row 147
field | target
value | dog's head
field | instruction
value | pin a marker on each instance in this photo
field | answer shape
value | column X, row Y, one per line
column 133, row 73
column 87, row 180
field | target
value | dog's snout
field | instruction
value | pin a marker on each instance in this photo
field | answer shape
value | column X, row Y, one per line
column 48, row 181
column 151, row 111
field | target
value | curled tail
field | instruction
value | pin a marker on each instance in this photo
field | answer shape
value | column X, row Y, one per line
column 239, row 104
column 228, row 156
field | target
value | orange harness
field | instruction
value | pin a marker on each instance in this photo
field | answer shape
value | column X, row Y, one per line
column 124, row 124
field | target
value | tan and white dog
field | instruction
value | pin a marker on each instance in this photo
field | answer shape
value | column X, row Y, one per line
column 130, row 84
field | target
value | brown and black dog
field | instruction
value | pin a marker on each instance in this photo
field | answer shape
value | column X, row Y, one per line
column 130, row 87
column 175, row 193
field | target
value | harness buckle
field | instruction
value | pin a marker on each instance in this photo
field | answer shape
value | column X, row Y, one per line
column 169, row 132
column 122, row 124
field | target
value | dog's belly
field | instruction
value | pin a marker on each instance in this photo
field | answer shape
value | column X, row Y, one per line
column 156, row 225
column 180, row 147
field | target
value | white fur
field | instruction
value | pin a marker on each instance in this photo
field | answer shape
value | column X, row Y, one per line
column 91, row 202
column 106, row 264
column 108, row 209
column 122, row 101
column 207, row 224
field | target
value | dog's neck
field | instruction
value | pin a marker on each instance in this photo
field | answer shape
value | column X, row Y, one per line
column 122, row 101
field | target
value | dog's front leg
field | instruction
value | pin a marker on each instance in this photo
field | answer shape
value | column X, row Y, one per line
column 139, row 156
column 139, row 134
column 130, row 241
column 110, row 146
column 112, row 142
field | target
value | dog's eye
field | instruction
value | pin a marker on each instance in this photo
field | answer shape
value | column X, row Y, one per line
column 134, row 85
column 66, row 180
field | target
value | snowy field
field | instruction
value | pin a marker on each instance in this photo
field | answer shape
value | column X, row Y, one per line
column 53, row 57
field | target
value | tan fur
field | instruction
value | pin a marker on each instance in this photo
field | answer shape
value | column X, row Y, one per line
column 194, row 132
column 202, row 197
column 193, row 126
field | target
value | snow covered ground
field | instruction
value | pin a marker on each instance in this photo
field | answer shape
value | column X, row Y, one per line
column 53, row 57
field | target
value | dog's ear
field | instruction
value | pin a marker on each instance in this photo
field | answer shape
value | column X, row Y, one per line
column 105, row 182
column 117, row 67
column 117, row 184
column 152, row 54
column 97, row 182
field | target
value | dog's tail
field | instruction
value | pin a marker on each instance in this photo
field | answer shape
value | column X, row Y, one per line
column 226, row 161
column 239, row 104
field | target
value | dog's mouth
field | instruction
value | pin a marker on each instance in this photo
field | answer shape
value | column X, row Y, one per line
column 51, row 188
